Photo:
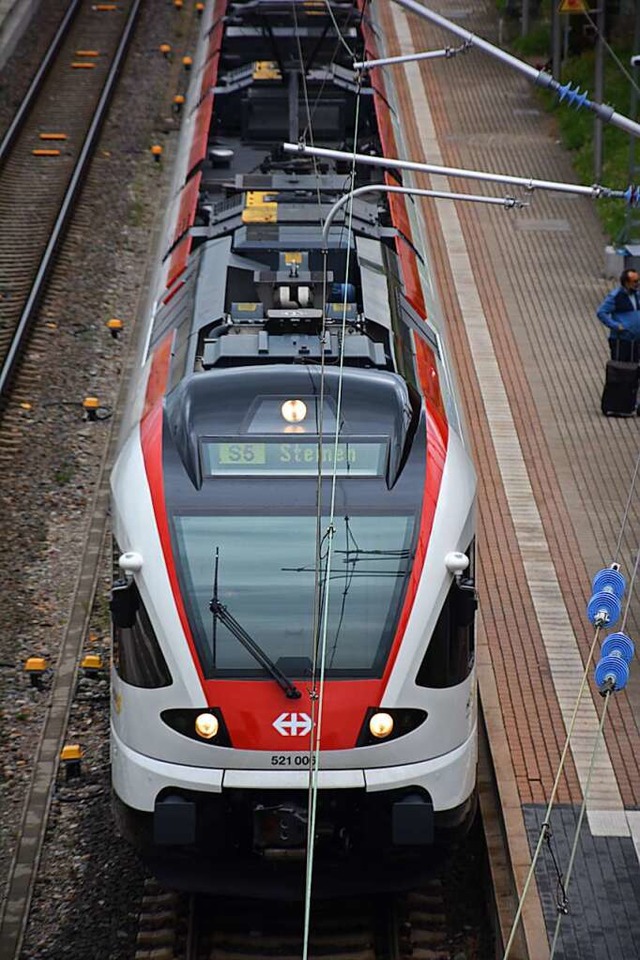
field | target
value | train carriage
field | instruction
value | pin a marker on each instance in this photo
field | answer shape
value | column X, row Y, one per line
column 293, row 501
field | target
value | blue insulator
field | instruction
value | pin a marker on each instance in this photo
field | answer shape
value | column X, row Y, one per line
column 618, row 645
column 580, row 99
column 603, row 608
column 613, row 669
column 611, row 581
column 573, row 97
column 632, row 196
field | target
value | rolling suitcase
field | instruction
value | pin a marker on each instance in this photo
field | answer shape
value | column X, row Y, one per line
column 620, row 394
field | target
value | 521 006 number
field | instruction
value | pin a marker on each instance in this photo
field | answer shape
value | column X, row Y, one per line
column 291, row 760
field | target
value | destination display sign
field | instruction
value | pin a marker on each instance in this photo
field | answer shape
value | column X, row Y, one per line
column 278, row 457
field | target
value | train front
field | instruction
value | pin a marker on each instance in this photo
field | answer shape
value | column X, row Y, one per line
column 287, row 633
column 293, row 510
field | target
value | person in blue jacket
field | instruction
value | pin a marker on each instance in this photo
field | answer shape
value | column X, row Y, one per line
column 620, row 313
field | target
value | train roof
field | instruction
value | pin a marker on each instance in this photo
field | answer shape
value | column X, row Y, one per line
column 271, row 268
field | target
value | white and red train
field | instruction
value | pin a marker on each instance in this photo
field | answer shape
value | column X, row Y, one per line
column 293, row 503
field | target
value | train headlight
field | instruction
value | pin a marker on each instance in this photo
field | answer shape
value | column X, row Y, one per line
column 294, row 411
column 207, row 726
column 200, row 724
column 381, row 725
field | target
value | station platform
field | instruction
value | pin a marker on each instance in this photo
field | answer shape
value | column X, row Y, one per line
column 519, row 289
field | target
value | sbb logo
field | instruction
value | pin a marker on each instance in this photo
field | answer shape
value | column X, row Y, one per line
column 293, row 724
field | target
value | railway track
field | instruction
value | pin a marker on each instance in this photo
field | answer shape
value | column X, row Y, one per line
column 44, row 157
column 456, row 914
column 175, row 927
column 35, row 365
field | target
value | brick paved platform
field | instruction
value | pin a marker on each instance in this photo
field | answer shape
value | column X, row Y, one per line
column 518, row 291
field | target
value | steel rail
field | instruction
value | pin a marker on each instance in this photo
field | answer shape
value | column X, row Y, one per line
column 28, row 100
column 24, row 323
column 14, row 912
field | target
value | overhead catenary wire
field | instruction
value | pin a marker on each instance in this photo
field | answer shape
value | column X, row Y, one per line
column 556, row 783
column 627, row 508
column 319, row 538
column 305, row 92
column 340, row 41
column 623, row 524
column 322, row 592
column 318, row 691
column 309, row 111
column 583, row 807
column 336, row 25
column 612, row 52
column 632, row 581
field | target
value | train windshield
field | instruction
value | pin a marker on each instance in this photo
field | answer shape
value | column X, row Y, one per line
column 267, row 581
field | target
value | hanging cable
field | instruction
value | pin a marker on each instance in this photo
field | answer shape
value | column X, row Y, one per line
column 344, row 43
column 545, row 828
column 603, row 607
column 317, row 694
column 319, row 540
column 631, row 586
column 311, row 109
column 309, row 116
column 625, row 515
column 563, row 911
column 612, row 52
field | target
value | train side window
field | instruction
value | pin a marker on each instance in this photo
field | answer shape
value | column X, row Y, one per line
column 137, row 656
column 451, row 652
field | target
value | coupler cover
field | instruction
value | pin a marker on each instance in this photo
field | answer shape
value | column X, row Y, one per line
column 412, row 821
column 174, row 822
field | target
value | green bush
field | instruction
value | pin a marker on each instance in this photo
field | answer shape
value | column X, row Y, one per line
column 537, row 42
column 576, row 129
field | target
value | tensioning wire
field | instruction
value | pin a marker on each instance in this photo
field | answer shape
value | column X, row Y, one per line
column 625, row 515
column 632, row 581
column 545, row 824
column 612, row 52
column 336, row 25
column 317, row 697
column 554, row 790
column 307, row 105
column 580, row 818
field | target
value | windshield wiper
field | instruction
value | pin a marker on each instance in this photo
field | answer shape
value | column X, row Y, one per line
column 221, row 613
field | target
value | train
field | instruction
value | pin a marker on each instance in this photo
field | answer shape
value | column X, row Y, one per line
column 293, row 501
